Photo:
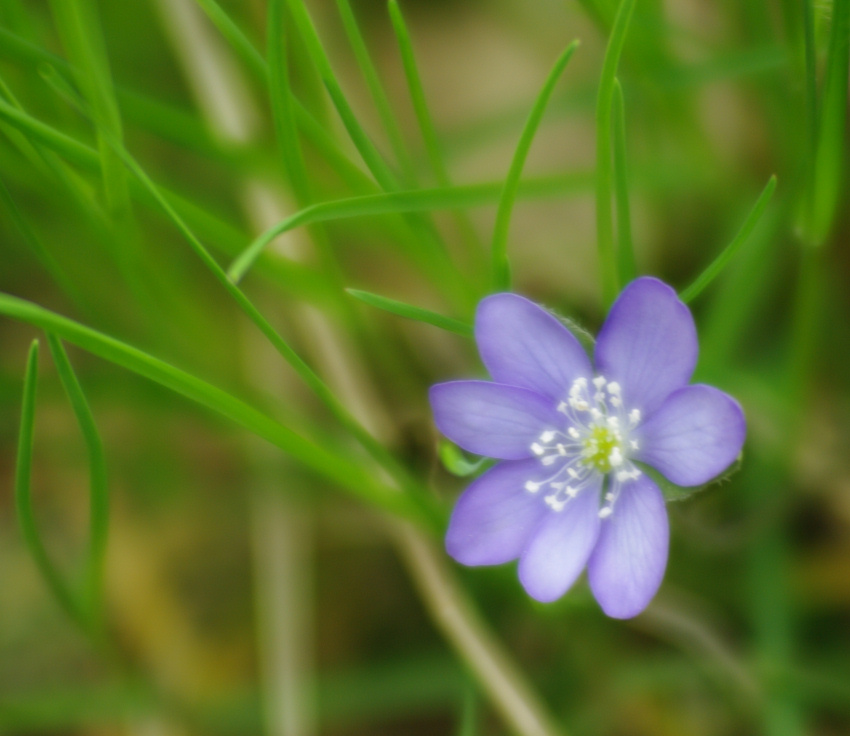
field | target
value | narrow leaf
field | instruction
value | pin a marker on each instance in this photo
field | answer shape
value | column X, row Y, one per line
column 604, row 225
column 625, row 250
column 98, row 493
column 726, row 255
column 500, row 265
column 408, row 311
column 23, row 496
column 455, row 461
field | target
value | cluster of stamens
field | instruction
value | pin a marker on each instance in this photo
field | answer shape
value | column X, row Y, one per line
column 597, row 440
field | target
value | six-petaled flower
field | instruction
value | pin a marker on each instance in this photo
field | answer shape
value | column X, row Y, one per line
column 573, row 437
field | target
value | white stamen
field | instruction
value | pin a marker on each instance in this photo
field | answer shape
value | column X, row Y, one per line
column 634, row 444
column 634, row 416
column 615, row 458
column 599, row 381
column 531, row 486
column 605, row 513
column 614, row 388
column 547, row 436
column 537, row 449
column 548, row 459
column 573, row 432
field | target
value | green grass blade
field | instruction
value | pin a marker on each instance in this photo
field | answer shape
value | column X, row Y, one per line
column 627, row 267
column 370, row 155
column 604, row 225
column 98, row 491
column 718, row 264
column 280, row 95
column 829, row 160
column 241, row 44
column 23, row 496
column 417, row 95
column 79, row 27
column 500, row 265
column 408, row 311
column 323, row 455
column 421, row 200
column 376, row 90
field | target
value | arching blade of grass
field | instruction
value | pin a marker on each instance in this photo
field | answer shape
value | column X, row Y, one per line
column 98, row 493
column 408, row 311
column 23, row 496
column 604, row 225
column 718, row 264
column 323, row 455
column 829, row 158
column 500, row 266
column 376, row 90
column 626, row 266
column 236, row 37
column 426, row 125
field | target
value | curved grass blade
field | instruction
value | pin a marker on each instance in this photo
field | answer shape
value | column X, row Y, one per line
column 719, row 263
column 23, row 497
column 604, row 225
column 829, row 158
column 421, row 200
column 98, row 492
column 500, row 266
column 236, row 37
column 376, row 89
column 408, row 311
column 626, row 266
column 321, row 454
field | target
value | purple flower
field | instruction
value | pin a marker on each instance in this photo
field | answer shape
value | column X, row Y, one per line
column 570, row 491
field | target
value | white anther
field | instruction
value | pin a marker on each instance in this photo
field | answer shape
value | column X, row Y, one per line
column 555, row 503
column 634, row 416
column 599, row 381
column 537, row 449
column 561, row 449
column 547, row 436
column 616, row 457
column 616, row 402
column 581, row 382
column 634, row 444
column 614, row 388
column 572, row 473
column 573, row 432
column 613, row 422
column 581, row 405
column 571, row 491
column 596, row 414
column 605, row 513
column 609, row 497
column 623, row 475
column 531, row 486
column 562, row 407
column 549, row 459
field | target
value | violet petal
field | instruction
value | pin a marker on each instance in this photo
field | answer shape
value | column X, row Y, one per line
column 492, row 419
column 495, row 516
column 648, row 344
column 524, row 345
column 627, row 565
column 694, row 435
column 558, row 550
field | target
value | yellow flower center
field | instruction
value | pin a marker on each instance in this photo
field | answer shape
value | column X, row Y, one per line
column 599, row 445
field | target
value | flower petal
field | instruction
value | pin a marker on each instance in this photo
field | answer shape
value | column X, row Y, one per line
column 495, row 516
column 648, row 344
column 524, row 345
column 628, row 563
column 559, row 548
column 492, row 419
column 693, row 436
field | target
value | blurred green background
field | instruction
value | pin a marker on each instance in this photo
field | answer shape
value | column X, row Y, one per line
column 246, row 590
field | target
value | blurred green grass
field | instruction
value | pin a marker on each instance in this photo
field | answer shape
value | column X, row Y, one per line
column 749, row 633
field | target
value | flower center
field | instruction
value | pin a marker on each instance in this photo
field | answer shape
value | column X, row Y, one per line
column 597, row 441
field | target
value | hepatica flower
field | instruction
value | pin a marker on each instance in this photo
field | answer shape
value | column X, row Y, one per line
column 575, row 438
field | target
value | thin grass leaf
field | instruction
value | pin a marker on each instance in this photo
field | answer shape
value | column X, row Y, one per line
column 79, row 28
column 626, row 265
column 500, row 266
column 604, row 226
column 376, row 90
column 421, row 200
column 728, row 253
column 408, row 311
column 457, row 463
column 23, row 496
column 829, row 159
column 98, row 492
column 321, row 454
column 241, row 44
